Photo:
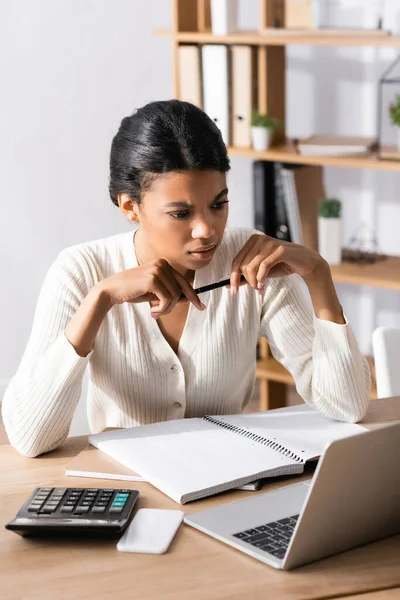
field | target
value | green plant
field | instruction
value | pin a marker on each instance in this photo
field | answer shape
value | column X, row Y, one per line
column 330, row 208
column 260, row 120
column 394, row 111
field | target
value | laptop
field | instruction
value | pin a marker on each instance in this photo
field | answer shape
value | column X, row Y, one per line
column 352, row 499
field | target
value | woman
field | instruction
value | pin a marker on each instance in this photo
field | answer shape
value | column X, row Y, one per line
column 114, row 304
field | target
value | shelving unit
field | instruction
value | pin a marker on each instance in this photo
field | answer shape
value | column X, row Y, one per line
column 287, row 153
column 192, row 25
column 254, row 38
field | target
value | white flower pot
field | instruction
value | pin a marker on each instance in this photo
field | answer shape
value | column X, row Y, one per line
column 261, row 138
column 224, row 16
column 330, row 240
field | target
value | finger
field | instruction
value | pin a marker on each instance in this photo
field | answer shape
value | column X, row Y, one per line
column 236, row 263
column 267, row 264
column 251, row 246
column 249, row 266
column 165, row 300
column 189, row 292
column 170, row 283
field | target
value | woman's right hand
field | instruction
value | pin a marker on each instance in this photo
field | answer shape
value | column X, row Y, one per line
column 155, row 282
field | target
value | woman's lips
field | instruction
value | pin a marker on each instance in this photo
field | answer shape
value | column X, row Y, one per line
column 203, row 254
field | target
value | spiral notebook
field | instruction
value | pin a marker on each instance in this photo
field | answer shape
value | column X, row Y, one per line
column 91, row 463
column 189, row 459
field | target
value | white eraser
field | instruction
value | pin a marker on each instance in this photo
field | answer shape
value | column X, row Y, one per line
column 151, row 531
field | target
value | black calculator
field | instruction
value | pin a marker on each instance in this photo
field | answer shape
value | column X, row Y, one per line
column 98, row 512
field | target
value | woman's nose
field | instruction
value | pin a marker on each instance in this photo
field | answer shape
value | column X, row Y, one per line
column 203, row 229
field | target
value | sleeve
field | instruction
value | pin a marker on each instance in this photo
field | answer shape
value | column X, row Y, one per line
column 41, row 398
column 329, row 371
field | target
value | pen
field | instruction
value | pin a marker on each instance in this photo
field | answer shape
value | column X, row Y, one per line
column 211, row 286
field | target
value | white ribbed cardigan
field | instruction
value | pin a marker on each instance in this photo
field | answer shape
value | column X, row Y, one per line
column 135, row 376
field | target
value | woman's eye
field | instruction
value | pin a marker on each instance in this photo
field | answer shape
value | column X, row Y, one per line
column 179, row 215
column 220, row 205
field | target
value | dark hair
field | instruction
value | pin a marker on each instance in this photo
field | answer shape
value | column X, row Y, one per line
column 163, row 136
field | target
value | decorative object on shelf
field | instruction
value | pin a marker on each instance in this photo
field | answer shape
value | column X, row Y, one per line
column 262, row 128
column 389, row 113
column 363, row 247
column 224, row 16
column 394, row 112
column 330, row 230
column 301, row 14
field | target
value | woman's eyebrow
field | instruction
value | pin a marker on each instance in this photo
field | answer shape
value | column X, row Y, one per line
column 186, row 205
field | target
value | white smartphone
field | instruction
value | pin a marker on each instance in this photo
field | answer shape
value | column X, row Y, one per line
column 151, row 531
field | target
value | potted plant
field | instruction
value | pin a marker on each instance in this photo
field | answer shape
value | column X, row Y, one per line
column 394, row 112
column 330, row 230
column 262, row 127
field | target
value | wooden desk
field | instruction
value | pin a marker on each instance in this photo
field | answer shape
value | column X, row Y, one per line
column 196, row 565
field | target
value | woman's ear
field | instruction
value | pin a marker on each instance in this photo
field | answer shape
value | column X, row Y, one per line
column 129, row 207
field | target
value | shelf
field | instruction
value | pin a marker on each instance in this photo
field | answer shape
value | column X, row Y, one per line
column 272, row 370
column 288, row 153
column 283, row 39
column 382, row 274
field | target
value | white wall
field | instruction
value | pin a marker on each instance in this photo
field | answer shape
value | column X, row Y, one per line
column 71, row 69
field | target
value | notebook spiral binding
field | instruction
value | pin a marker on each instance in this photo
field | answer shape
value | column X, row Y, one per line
column 256, row 438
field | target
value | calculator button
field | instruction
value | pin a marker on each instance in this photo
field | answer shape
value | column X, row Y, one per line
column 98, row 509
column 33, row 508
column 82, row 509
column 48, row 509
column 47, row 490
column 67, row 508
column 116, row 509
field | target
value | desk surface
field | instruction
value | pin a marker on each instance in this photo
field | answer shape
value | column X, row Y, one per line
column 196, row 565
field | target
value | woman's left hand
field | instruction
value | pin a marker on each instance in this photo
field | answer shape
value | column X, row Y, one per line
column 263, row 256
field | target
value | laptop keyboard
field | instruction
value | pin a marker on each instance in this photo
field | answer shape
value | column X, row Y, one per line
column 272, row 537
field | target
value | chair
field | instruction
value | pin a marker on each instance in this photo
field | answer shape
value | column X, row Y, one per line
column 386, row 348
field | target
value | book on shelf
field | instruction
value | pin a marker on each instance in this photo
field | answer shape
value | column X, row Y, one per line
column 335, row 145
column 216, row 86
column 92, row 463
column 286, row 198
column 269, row 205
column 303, row 188
column 189, row 459
column 190, row 88
column 244, row 93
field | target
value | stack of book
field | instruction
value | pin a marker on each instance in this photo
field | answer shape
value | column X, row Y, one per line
column 222, row 81
column 286, row 199
column 335, row 145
